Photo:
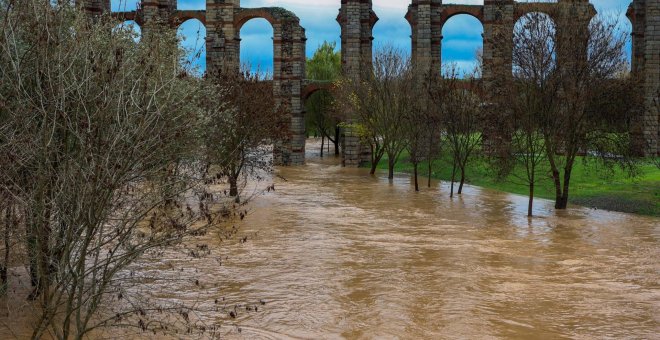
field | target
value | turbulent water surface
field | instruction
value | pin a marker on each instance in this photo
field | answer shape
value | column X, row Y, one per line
column 340, row 254
column 336, row 253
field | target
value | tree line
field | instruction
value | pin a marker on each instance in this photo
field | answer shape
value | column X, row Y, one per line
column 570, row 97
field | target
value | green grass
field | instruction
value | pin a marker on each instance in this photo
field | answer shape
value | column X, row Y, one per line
column 591, row 184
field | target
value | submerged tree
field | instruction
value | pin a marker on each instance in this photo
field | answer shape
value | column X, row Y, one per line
column 578, row 102
column 381, row 101
column 461, row 110
column 241, row 118
column 534, row 95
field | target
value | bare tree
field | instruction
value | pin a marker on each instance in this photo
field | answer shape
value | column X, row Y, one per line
column 381, row 101
column 98, row 148
column 423, row 126
column 596, row 103
column 461, row 110
column 534, row 95
column 242, row 118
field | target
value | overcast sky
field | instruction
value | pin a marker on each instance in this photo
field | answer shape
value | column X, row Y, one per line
column 462, row 33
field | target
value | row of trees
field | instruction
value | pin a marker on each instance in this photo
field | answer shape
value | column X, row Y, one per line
column 570, row 95
column 108, row 152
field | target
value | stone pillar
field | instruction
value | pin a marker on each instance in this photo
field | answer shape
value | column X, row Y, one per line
column 572, row 24
column 288, row 75
column 426, row 26
column 357, row 20
column 222, row 38
column 498, row 22
column 636, row 14
column 652, row 79
column 645, row 17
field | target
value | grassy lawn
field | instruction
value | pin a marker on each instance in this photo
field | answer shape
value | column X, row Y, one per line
column 591, row 184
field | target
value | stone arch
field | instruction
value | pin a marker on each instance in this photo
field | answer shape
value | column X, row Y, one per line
column 547, row 8
column 315, row 87
column 247, row 14
column 179, row 17
column 450, row 11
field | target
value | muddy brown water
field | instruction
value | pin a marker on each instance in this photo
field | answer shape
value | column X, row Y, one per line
column 335, row 253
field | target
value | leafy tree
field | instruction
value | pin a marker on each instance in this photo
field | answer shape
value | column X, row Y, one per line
column 324, row 66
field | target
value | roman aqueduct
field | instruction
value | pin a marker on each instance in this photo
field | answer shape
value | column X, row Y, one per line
column 223, row 20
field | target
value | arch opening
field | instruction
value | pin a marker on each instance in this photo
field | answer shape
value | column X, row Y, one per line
column 257, row 47
column 392, row 28
column 192, row 39
column 462, row 45
column 534, row 47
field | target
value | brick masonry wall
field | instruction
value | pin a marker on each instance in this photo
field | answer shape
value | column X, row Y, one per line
column 652, row 78
column 426, row 18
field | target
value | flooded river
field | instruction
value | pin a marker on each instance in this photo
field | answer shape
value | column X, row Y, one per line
column 339, row 254
column 335, row 253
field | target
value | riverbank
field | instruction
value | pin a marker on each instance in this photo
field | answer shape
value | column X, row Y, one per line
column 591, row 185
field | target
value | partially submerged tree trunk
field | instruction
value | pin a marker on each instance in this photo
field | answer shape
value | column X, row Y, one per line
column 453, row 178
column 460, row 187
column 336, row 140
column 4, row 267
column 530, row 205
column 415, row 165
column 391, row 162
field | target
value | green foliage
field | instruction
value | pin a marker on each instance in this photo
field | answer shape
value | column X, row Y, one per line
column 324, row 66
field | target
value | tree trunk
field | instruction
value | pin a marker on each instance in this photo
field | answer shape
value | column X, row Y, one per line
column 374, row 164
column 530, row 205
column 375, row 159
column 416, row 182
column 460, row 187
column 390, row 167
column 453, row 177
column 562, row 202
column 558, row 192
column 336, row 141
column 4, row 266
column 322, row 143
column 233, row 186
